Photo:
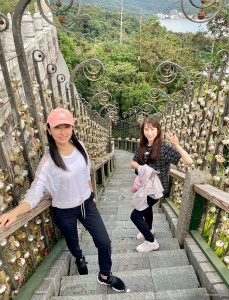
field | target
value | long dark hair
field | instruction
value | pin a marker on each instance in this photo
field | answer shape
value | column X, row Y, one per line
column 55, row 155
column 155, row 148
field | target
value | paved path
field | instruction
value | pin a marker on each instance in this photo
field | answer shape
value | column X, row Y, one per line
column 163, row 274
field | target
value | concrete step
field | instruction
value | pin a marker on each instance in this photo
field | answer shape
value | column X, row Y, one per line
column 158, row 217
column 183, row 294
column 136, row 261
column 121, row 225
column 186, row 294
column 129, row 233
column 174, row 278
column 129, row 245
column 121, row 296
column 137, row 281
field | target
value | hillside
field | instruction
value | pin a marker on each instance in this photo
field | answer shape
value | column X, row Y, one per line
column 135, row 7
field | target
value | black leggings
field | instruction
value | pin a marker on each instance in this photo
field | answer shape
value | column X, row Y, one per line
column 66, row 221
column 143, row 219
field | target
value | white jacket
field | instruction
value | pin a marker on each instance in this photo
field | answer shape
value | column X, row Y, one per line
column 150, row 186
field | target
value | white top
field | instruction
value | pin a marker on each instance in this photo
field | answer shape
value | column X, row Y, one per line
column 150, row 186
column 68, row 188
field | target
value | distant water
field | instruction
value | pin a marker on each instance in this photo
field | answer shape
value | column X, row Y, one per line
column 183, row 25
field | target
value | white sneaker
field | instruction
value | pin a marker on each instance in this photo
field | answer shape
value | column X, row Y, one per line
column 141, row 236
column 147, row 246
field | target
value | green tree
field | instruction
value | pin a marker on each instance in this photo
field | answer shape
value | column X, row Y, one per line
column 9, row 6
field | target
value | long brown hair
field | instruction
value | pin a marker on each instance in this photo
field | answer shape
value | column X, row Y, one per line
column 54, row 153
column 155, row 148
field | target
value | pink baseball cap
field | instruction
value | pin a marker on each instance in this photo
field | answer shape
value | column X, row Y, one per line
column 60, row 116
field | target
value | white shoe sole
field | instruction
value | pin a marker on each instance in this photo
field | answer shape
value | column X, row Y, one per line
column 147, row 250
column 102, row 282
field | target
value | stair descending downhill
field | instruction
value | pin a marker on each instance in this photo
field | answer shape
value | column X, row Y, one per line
column 162, row 274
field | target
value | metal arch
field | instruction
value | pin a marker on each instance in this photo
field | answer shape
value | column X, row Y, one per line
column 133, row 110
column 22, row 61
column 150, row 105
column 116, row 109
column 201, row 7
column 10, row 92
column 142, row 114
column 46, row 19
column 82, row 65
column 99, row 94
column 161, row 92
column 77, row 68
column 179, row 68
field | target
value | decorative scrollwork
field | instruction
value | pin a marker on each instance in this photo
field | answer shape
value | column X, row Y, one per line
column 68, row 85
column 156, row 95
column 38, row 56
column 167, row 71
column 62, row 17
column 209, row 67
column 198, row 78
column 93, row 69
column 222, row 55
column 124, row 114
column 149, row 108
column 51, row 68
column 92, row 66
column 60, row 78
column 4, row 22
column 103, row 97
column 110, row 108
column 202, row 10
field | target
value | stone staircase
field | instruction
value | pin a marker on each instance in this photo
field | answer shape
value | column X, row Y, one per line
column 163, row 274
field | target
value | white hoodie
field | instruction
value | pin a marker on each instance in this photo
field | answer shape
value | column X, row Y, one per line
column 150, row 186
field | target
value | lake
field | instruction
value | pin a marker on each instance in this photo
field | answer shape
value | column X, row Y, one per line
column 183, row 25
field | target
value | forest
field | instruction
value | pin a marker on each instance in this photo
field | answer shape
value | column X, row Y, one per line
column 147, row 8
column 130, row 63
column 130, row 56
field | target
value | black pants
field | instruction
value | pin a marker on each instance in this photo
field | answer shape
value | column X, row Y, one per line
column 66, row 221
column 143, row 219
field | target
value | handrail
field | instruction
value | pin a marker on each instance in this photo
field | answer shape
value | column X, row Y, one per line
column 42, row 205
column 177, row 174
column 25, row 218
column 211, row 193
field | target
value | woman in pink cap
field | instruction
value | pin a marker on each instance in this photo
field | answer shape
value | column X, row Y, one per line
column 64, row 172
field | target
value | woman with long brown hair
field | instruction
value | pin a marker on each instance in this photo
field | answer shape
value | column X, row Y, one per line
column 159, row 155
column 64, row 172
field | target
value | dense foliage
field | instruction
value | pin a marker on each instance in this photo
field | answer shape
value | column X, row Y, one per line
column 134, row 7
column 9, row 6
column 130, row 66
column 131, row 61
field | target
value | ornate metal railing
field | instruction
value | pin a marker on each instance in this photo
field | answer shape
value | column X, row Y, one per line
column 31, row 84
